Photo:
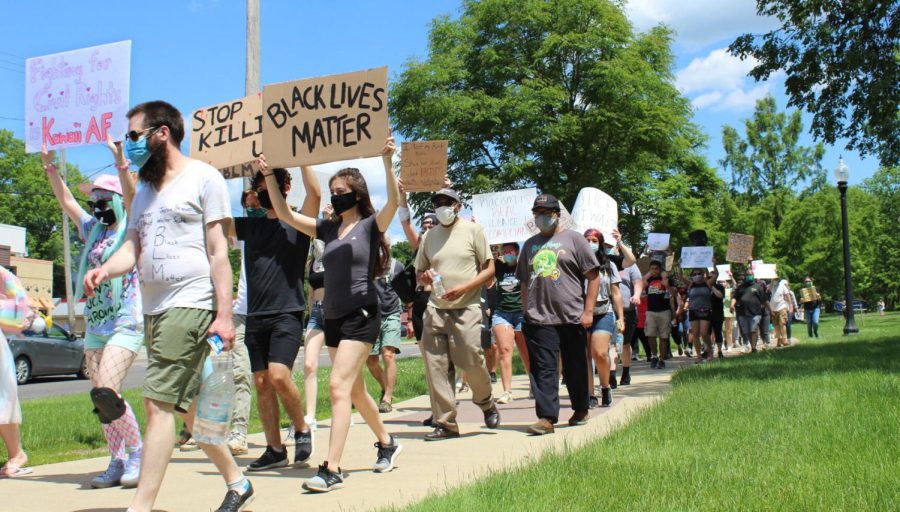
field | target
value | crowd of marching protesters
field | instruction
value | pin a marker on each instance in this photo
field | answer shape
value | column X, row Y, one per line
column 156, row 273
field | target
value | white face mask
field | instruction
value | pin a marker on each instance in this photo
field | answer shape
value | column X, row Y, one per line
column 446, row 214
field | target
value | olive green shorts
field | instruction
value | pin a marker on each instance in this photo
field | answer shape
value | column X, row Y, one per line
column 176, row 349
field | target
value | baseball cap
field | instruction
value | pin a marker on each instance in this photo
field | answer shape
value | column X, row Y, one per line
column 446, row 192
column 546, row 201
column 106, row 182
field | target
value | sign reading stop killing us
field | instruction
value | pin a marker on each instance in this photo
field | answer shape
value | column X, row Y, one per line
column 325, row 119
column 228, row 136
column 77, row 98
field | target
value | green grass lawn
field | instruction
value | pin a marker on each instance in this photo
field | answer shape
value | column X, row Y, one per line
column 64, row 428
column 812, row 427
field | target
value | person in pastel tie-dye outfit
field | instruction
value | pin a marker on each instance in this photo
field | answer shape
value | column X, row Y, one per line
column 15, row 315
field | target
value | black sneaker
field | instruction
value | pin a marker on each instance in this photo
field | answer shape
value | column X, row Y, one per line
column 325, row 480
column 661, row 365
column 654, row 363
column 303, row 447
column 593, row 403
column 612, row 380
column 235, row 501
column 270, row 459
column 387, row 454
column 493, row 377
column 606, row 397
column 626, row 376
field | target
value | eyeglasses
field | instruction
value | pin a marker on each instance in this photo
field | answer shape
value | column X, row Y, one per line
column 135, row 135
column 440, row 203
column 100, row 204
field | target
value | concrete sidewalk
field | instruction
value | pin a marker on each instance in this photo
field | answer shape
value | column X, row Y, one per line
column 192, row 484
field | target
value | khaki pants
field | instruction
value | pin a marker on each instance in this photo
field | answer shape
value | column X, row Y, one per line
column 779, row 321
column 242, row 377
column 454, row 335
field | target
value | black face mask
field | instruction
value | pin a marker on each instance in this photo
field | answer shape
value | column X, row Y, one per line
column 617, row 259
column 264, row 200
column 342, row 202
column 106, row 217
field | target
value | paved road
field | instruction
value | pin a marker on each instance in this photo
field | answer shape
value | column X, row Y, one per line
column 56, row 386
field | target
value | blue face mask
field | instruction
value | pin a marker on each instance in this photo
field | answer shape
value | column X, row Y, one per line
column 137, row 152
column 594, row 247
column 610, row 250
column 510, row 259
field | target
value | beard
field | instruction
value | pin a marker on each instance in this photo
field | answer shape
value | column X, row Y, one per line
column 154, row 170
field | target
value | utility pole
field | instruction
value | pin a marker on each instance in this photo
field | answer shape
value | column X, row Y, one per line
column 67, row 258
column 251, row 80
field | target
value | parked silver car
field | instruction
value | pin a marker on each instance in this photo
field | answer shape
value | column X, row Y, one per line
column 51, row 352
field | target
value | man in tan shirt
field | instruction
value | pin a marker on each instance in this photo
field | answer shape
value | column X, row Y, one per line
column 454, row 257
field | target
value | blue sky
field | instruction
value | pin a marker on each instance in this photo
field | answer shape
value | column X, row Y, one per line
column 191, row 53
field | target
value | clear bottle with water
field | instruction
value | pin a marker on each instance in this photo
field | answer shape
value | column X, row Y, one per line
column 437, row 284
column 216, row 400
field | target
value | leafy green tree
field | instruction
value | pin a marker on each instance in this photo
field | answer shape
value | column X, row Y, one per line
column 26, row 200
column 402, row 252
column 884, row 185
column 559, row 95
column 842, row 65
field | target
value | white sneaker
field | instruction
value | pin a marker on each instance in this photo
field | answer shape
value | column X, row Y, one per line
column 132, row 470
column 237, row 443
column 289, row 436
column 311, row 421
column 505, row 398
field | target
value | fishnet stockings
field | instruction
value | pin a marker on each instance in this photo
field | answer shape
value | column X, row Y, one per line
column 108, row 368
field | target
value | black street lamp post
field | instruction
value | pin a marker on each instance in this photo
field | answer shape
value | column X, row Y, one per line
column 842, row 173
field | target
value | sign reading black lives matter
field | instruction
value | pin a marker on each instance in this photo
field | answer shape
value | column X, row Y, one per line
column 325, row 119
column 228, row 136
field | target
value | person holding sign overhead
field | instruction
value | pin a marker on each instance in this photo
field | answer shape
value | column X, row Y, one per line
column 700, row 295
column 357, row 252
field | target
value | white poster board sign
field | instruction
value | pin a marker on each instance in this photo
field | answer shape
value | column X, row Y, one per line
column 724, row 272
column 658, row 241
column 76, row 98
column 565, row 220
column 696, row 257
column 297, row 193
column 754, row 264
column 504, row 215
column 765, row 271
column 596, row 209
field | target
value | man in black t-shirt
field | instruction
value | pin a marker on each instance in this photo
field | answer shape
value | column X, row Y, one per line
column 274, row 257
column 749, row 304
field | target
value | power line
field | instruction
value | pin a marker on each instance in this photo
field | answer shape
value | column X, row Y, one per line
column 13, row 70
column 12, row 118
column 12, row 55
column 6, row 61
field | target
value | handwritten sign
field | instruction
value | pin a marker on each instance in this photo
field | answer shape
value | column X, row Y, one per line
column 565, row 220
column 596, row 209
column 765, row 271
column 423, row 166
column 504, row 215
column 76, row 98
column 724, row 272
column 325, row 119
column 740, row 248
column 808, row 294
column 696, row 257
column 658, row 241
column 755, row 264
column 228, row 136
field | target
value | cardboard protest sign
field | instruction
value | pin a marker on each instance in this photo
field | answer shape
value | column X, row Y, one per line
column 740, row 248
column 808, row 294
column 724, row 272
column 670, row 261
column 504, row 215
column 696, row 257
column 765, row 271
column 565, row 220
column 76, row 98
column 423, row 165
column 643, row 264
column 658, row 241
column 596, row 209
column 325, row 119
column 228, row 136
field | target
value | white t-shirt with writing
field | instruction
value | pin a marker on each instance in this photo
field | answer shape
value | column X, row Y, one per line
column 171, row 225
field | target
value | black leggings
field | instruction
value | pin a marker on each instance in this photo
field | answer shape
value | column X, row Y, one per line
column 639, row 334
column 716, row 328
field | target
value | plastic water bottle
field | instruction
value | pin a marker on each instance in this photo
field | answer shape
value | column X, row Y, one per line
column 437, row 285
column 214, row 406
column 620, row 340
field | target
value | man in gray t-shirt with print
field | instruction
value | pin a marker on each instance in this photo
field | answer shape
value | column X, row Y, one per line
column 552, row 269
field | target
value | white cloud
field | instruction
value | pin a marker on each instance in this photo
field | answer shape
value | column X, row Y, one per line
column 700, row 23
column 720, row 81
column 705, row 100
column 740, row 99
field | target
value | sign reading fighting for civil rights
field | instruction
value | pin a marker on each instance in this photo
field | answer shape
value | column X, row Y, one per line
column 504, row 215
column 325, row 119
column 228, row 136
column 77, row 98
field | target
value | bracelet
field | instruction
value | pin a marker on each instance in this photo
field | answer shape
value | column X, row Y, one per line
column 123, row 167
column 403, row 213
column 267, row 175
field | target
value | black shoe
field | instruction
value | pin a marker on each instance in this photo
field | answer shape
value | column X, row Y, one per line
column 270, row 459
column 661, row 365
column 387, row 454
column 493, row 377
column 606, row 397
column 440, row 433
column 325, row 480
column 654, row 363
column 492, row 417
column 579, row 418
column 612, row 380
column 235, row 502
column 428, row 422
column 303, row 447
column 593, row 403
column 626, row 376
column 563, row 381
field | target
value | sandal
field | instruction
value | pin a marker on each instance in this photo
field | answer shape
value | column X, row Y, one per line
column 10, row 470
column 183, row 437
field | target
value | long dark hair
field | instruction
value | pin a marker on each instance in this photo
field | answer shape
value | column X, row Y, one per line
column 601, row 251
column 357, row 184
